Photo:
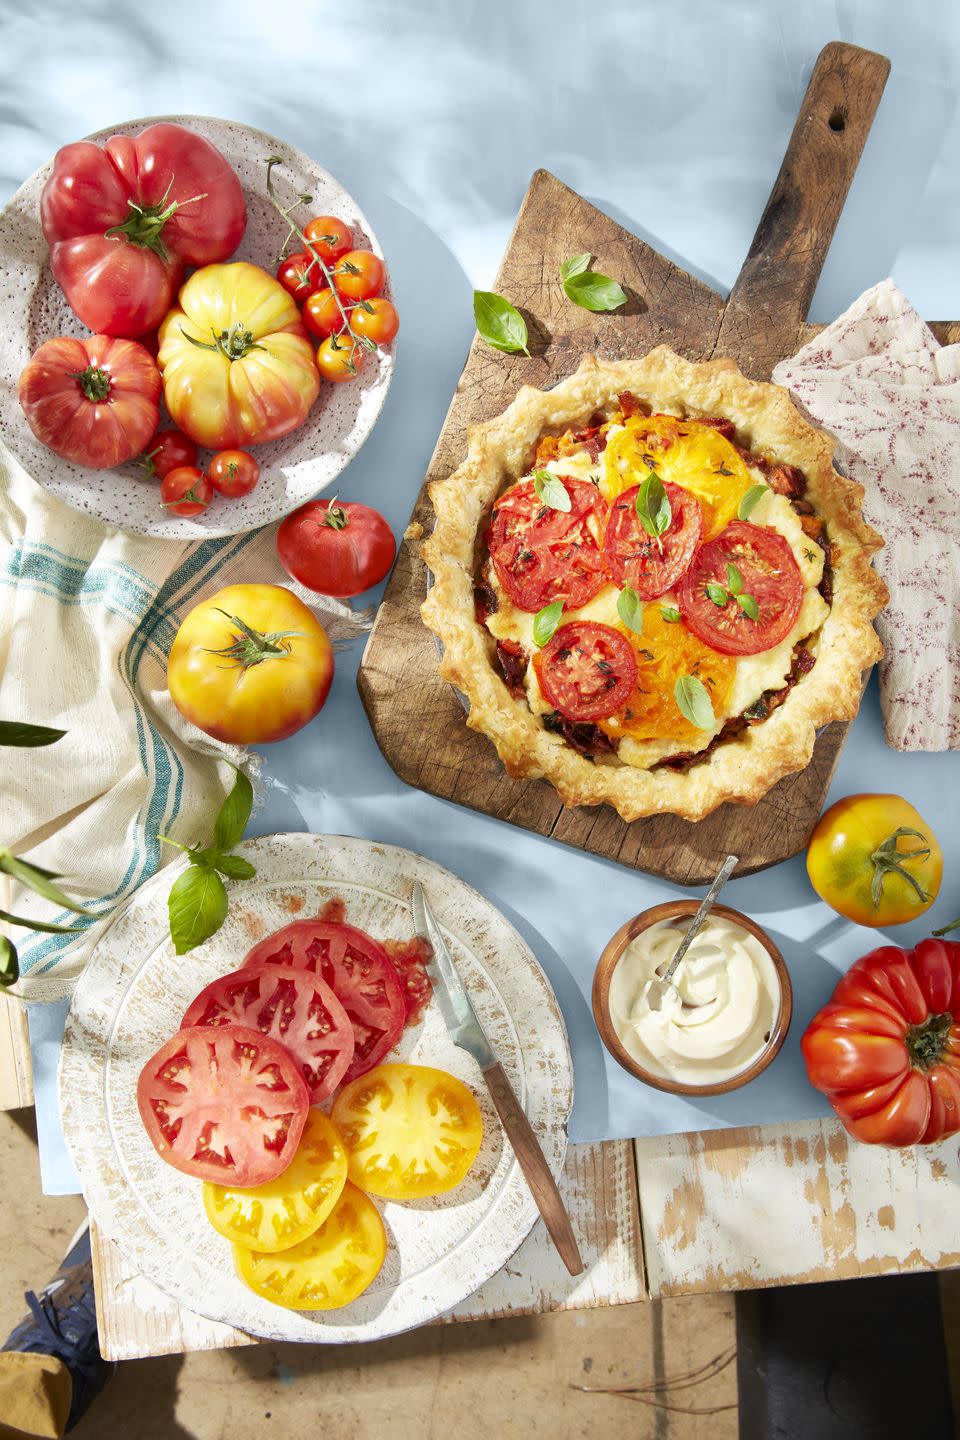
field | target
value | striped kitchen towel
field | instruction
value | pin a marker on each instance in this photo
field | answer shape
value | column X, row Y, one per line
column 87, row 617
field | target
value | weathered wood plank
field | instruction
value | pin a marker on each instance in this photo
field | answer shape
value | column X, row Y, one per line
column 16, row 1074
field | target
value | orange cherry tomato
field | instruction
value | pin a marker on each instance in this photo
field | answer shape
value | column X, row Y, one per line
column 376, row 319
column 339, row 359
column 359, row 275
column 322, row 315
column 329, row 237
column 233, row 472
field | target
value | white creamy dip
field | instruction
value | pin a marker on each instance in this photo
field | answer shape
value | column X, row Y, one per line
column 719, row 1016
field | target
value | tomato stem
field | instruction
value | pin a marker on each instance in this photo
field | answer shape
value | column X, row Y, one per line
column 144, row 225
column 946, row 929
column 233, row 344
column 336, row 517
column 886, row 860
column 250, row 647
column 94, row 382
column 926, row 1042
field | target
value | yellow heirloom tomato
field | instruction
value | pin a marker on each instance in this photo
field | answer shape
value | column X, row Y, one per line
column 237, row 366
column 250, row 664
column 874, row 859
column 284, row 1211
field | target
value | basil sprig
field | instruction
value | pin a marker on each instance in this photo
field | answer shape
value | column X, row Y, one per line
column 15, row 732
column 197, row 903
column 630, row 609
column 588, row 289
column 653, row 506
column 545, row 623
column 693, row 702
column 550, row 489
column 499, row 323
column 750, row 500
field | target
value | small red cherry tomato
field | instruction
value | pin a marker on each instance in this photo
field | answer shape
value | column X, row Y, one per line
column 300, row 275
column 322, row 315
column 336, row 547
column 233, row 472
column 359, row 275
column 168, row 450
column 339, row 358
column 186, row 491
column 376, row 319
column 329, row 237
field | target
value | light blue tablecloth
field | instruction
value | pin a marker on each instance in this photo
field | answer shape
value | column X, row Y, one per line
column 673, row 117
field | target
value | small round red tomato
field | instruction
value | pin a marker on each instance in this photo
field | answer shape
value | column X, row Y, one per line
column 300, row 275
column 376, row 319
column 359, row 275
column 322, row 315
column 587, row 671
column 186, row 491
column 744, row 590
column 651, row 566
column 336, row 548
column 233, row 472
column 329, row 237
column 339, row 359
column 541, row 554
column 168, row 450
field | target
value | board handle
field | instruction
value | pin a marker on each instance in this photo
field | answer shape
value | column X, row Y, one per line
column 772, row 295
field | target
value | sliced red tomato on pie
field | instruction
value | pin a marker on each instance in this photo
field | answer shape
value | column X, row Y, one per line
column 292, row 1006
column 224, row 1103
column 359, row 972
column 541, row 554
column 587, row 671
column 744, row 590
column 651, row 566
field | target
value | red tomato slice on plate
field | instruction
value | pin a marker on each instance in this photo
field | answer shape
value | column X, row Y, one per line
column 745, row 562
column 357, row 969
column 587, row 671
column 293, row 1007
column 651, row 566
column 541, row 554
column 227, row 1105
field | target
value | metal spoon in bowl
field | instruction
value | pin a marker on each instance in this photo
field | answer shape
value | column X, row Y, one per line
column 658, row 986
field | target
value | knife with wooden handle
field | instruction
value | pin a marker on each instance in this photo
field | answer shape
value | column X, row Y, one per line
column 466, row 1031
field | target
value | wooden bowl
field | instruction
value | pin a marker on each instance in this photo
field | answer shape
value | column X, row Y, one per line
column 609, row 959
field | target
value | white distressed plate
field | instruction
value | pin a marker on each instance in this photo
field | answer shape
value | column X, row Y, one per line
column 35, row 309
column 131, row 998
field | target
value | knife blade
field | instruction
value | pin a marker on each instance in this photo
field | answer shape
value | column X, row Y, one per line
column 466, row 1031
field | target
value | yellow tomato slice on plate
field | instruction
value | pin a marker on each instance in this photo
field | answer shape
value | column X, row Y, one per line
column 329, row 1268
column 664, row 651
column 410, row 1131
column 285, row 1211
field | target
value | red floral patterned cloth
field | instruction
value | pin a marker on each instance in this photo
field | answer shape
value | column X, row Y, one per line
column 878, row 379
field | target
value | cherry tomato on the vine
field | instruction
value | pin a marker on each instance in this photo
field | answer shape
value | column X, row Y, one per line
column 322, row 315
column 329, row 237
column 376, row 319
column 359, row 275
column 168, row 450
column 233, row 472
column 186, row 491
column 339, row 359
column 300, row 275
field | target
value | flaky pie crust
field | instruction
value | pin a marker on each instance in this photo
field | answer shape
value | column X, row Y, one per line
column 742, row 769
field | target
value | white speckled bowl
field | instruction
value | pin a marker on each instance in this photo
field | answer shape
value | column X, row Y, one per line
column 34, row 309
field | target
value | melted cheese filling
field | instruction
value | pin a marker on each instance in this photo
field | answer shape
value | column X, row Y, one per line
column 754, row 673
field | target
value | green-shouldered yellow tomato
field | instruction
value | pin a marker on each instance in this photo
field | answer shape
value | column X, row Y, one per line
column 874, row 859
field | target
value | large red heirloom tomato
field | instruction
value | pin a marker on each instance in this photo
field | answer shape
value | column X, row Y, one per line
column 122, row 222
column 886, row 1050
column 94, row 401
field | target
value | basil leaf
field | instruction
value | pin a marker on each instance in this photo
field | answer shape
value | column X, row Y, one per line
column 47, row 928
column 197, row 906
column 734, row 579
column 12, row 732
column 234, row 814
column 234, row 867
column 693, row 702
column 669, row 613
column 546, row 621
column 717, row 594
column 574, row 266
column 38, row 879
column 594, row 292
column 551, row 490
column 9, row 964
column 499, row 323
column 653, row 506
column 630, row 609
column 749, row 606
column 752, row 498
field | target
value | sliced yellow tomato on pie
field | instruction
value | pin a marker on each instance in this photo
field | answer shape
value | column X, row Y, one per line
column 635, row 450
column 665, row 650
column 685, row 452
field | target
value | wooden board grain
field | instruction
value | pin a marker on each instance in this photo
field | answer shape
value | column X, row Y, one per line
column 415, row 716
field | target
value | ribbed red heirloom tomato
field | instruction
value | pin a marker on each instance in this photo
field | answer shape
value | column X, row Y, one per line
column 886, row 1050
column 336, row 547
column 94, row 401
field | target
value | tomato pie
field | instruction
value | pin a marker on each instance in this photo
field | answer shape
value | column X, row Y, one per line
column 653, row 586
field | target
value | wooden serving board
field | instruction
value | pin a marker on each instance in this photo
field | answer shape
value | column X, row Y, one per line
column 416, row 716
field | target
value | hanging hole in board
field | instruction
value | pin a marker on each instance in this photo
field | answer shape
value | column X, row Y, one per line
column 837, row 121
